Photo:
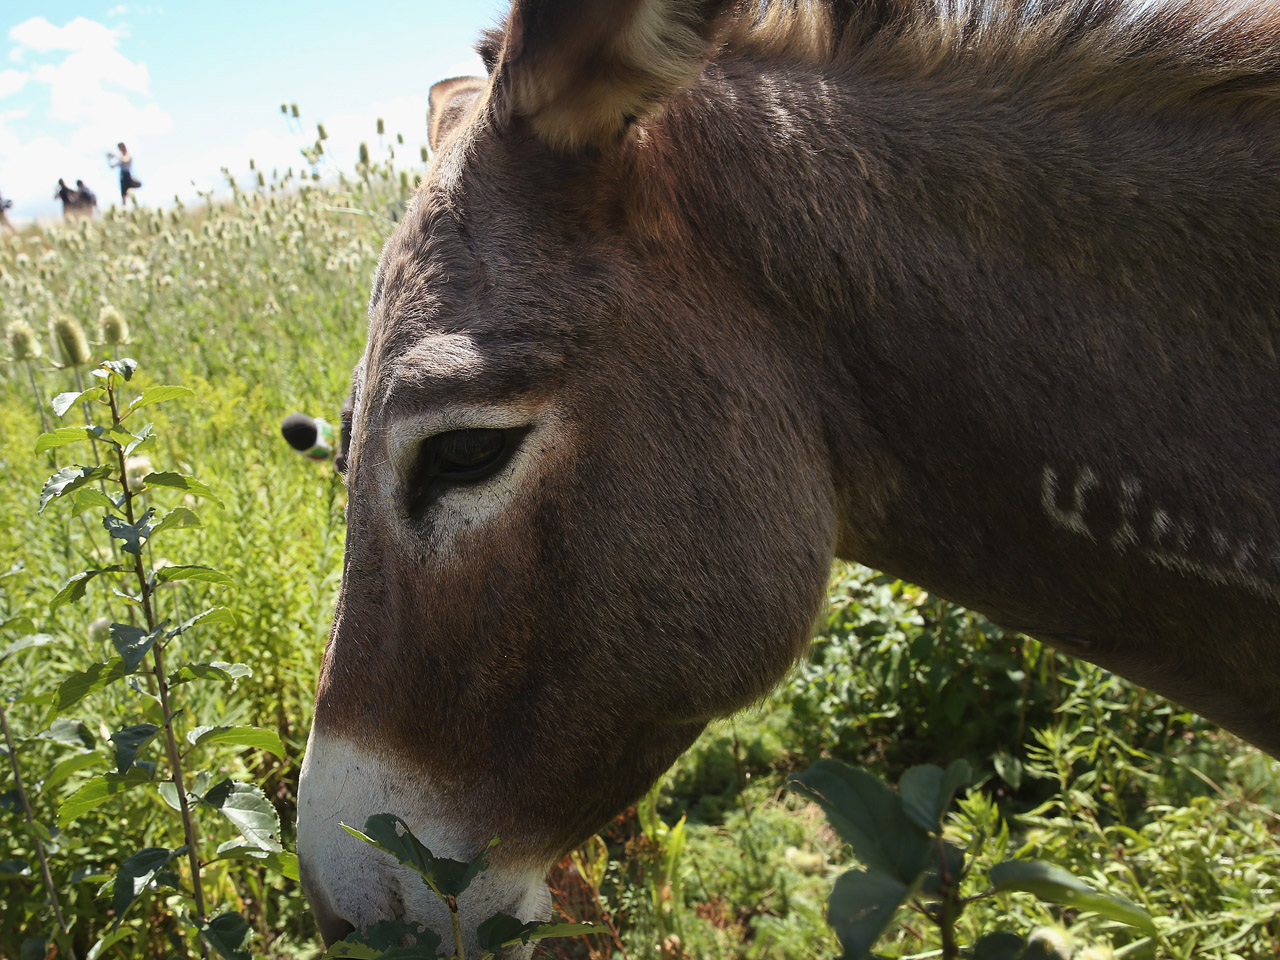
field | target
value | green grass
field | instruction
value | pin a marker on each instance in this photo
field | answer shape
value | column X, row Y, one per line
column 258, row 306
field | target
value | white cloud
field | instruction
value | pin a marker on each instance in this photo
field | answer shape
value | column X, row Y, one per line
column 11, row 81
column 40, row 35
column 96, row 96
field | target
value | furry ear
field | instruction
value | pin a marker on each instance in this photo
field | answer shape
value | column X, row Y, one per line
column 450, row 102
column 582, row 71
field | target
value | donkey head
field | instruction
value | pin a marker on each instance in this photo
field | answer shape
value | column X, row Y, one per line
column 590, row 508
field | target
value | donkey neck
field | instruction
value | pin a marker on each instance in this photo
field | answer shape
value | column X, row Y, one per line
column 1051, row 331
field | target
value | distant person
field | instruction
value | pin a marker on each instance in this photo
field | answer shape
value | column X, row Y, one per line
column 124, row 160
column 88, row 199
column 70, row 201
column 4, row 216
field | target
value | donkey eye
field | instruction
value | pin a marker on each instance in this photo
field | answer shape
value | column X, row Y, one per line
column 466, row 455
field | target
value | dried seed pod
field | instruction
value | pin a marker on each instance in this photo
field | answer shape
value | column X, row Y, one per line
column 364, row 154
column 381, row 127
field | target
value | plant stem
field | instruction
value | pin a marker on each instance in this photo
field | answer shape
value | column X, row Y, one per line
column 31, row 818
column 460, row 952
column 35, row 393
column 162, row 688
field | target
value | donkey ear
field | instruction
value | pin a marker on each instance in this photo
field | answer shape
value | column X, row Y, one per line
column 583, row 70
column 450, row 103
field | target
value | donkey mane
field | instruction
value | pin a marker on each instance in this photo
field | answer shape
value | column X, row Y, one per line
column 1192, row 55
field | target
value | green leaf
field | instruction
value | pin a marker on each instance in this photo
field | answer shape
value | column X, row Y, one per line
column 131, row 533
column 946, row 863
column 124, row 367
column 130, row 741
column 25, row 643
column 178, row 518
column 97, row 792
column 63, row 436
column 282, row 861
column 193, row 572
column 136, row 874
column 14, row 869
column 502, row 930
column 210, row 616
column 1008, row 768
column 229, row 935
column 65, row 401
column 133, row 643
column 67, row 768
column 17, row 624
column 248, row 808
column 79, row 685
column 147, row 432
column 69, row 479
column 254, row 737
column 108, row 941
column 869, row 816
column 218, row 670
column 75, row 586
column 158, row 395
column 381, row 941
column 91, row 498
column 1054, row 884
column 927, row 790
column 861, row 908
column 69, row 733
column 391, row 835
column 181, row 482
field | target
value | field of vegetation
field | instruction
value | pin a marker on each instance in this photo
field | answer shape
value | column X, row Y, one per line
column 181, row 635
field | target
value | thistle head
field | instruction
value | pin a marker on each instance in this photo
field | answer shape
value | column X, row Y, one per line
column 71, row 338
column 112, row 325
column 136, row 471
column 23, row 342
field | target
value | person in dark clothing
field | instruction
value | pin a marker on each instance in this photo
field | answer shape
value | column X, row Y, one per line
column 88, row 199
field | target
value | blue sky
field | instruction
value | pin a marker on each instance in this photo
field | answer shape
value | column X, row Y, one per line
column 192, row 87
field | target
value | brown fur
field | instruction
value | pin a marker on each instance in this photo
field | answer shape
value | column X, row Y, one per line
column 984, row 297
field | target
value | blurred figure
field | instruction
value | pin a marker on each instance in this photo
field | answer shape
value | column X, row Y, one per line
column 72, row 205
column 87, row 198
column 124, row 160
column 4, row 217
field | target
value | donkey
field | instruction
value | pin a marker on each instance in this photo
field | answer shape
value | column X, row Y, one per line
column 700, row 294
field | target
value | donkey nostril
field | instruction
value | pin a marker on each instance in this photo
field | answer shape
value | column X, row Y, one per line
column 333, row 929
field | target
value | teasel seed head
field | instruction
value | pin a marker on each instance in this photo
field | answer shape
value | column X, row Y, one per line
column 293, row 109
column 323, row 135
column 399, row 138
column 364, row 154
column 113, row 326
column 423, row 153
column 136, row 470
column 381, row 127
column 100, row 630
column 23, row 342
column 71, row 338
column 284, row 109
